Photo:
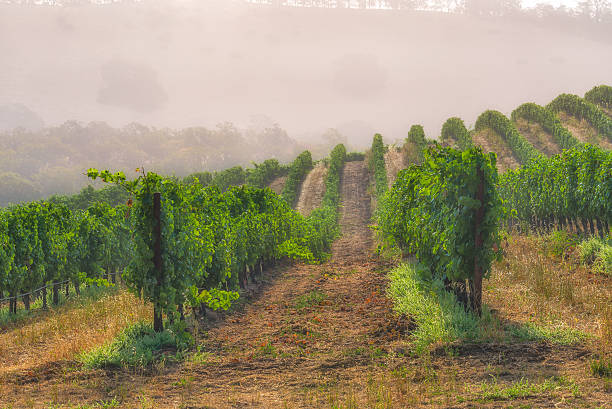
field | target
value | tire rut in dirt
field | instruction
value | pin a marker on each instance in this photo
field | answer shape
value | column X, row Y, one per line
column 355, row 244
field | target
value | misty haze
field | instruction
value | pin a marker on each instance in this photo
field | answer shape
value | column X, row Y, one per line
column 334, row 204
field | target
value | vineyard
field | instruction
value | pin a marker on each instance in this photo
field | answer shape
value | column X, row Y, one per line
column 478, row 275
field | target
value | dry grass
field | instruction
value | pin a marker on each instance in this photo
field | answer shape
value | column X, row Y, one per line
column 539, row 138
column 491, row 141
column 531, row 285
column 68, row 330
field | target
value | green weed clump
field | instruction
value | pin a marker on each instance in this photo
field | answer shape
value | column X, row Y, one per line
column 439, row 318
column 137, row 346
column 598, row 253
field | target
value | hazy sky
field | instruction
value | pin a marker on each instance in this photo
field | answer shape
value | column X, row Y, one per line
column 188, row 63
column 556, row 3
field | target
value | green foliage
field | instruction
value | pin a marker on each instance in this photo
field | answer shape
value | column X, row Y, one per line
column 331, row 198
column 88, row 196
column 575, row 185
column 602, row 367
column 432, row 209
column 600, row 95
column 521, row 148
column 45, row 242
column 137, row 346
column 297, row 173
column 582, row 109
column 598, row 253
column 261, row 175
column 555, row 334
column 454, row 130
column 203, row 178
column 209, row 239
column 548, row 121
column 224, row 179
column 415, row 144
column 355, row 156
column 377, row 165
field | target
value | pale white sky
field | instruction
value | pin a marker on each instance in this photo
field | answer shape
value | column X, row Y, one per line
column 556, row 3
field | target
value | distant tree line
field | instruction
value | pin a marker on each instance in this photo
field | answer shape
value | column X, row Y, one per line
column 37, row 164
column 600, row 10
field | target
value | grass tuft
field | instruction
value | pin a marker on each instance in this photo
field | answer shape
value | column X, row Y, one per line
column 137, row 346
column 309, row 300
column 438, row 316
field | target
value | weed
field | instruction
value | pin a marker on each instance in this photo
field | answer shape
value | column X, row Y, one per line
column 601, row 367
column 556, row 334
column 493, row 391
column 267, row 350
column 136, row 346
column 309, row 300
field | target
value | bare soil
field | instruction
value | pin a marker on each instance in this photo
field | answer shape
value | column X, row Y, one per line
column 394, row 162
column 490, row 141
column 319, row 336
column 584, row 131
column 313, row 190
column 539, row 138
column 278, row 184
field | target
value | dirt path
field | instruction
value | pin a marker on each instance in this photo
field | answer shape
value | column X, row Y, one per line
column 492, row 142
column 313, row 190
column 394, row 162
column 278, row 184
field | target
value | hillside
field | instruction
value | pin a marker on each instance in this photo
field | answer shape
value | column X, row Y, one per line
column 490, row 141
column 584, row 131
column 538, row 137
column 326, row 335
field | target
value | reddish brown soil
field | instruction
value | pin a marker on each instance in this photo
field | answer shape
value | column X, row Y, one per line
column 313, row 190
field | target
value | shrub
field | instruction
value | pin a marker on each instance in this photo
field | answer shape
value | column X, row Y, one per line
column 454, row 130
column 377, row 165
column 137, row 345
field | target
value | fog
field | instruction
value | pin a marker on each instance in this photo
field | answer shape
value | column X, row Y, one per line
column 186, row 86
column 180, row 64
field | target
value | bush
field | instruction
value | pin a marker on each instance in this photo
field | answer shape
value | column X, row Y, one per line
column 454, row 130
column 432, row 209
column 415, row 144
column 137, row 345
column 598, row 253
column 377, row 165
